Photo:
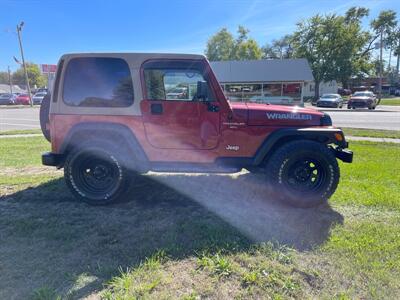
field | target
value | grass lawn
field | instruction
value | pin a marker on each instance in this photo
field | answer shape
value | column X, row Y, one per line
column 18, row 106
column 198, row 236
column 390, row 101
column 21, row 131
column 395, row 134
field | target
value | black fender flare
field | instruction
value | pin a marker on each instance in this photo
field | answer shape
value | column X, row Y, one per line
column 322, row 135
column 111, row 132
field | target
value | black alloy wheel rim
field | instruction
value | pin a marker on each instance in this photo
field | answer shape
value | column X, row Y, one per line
column 305, row 175
column 97, row 177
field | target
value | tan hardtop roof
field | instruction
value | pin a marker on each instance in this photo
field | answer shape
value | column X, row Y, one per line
column 134, row 58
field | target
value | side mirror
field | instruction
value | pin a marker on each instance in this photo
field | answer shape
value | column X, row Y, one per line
column 202, row 90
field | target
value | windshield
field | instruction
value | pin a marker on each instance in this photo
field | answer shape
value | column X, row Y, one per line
column 363, row 94
column 329, row 96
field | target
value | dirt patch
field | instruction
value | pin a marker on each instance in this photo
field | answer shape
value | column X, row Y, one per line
column 33, row 170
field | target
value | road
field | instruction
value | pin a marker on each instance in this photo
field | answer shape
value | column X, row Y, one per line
column 19, row 118
column 384, row 117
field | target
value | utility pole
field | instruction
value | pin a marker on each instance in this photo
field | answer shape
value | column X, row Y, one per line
column 9, row 79
column 380, row 68
column 19, row 29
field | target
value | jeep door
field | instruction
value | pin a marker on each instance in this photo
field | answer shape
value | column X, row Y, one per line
column 173, row 116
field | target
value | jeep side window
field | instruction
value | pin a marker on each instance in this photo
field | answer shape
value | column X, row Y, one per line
column 98, row 82
column 172, row 84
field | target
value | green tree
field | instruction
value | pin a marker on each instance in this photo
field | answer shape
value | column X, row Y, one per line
column 315, row 39
column 246, row 48
column 334, row 46
column 392, row 43
column 280, row 48
column 34, row 76
column 383, row 26
column 269, row 51
column 220, row 46
column 223, row 46
column 396, row 52
column 352, row 59
column 4, row 77
column 385, row 22
column 355, row 14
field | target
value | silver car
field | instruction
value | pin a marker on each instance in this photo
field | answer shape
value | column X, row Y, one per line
column 7, row 99
column 38, row 97
column 330, row 100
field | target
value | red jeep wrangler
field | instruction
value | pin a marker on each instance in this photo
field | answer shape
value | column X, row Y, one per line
column 112, row 116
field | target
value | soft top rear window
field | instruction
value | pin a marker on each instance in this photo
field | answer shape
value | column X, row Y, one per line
column 98, row 82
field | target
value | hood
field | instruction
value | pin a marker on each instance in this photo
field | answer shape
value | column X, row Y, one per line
column 275, row 115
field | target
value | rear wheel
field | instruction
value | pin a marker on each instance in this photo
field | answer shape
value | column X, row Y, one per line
column 303, row 173
column 96, row 175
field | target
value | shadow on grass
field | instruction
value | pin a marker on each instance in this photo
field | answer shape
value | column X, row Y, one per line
column 47, row 239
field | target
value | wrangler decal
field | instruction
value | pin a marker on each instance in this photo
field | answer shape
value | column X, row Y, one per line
column 288, row 116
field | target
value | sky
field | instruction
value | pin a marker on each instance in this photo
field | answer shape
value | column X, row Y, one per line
column 53, row 28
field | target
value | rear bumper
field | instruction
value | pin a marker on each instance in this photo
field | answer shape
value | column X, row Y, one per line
column 52, row 159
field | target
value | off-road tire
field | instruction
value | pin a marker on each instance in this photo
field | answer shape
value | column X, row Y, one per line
column 44, row 115
column 81, row 166
column 300, row 157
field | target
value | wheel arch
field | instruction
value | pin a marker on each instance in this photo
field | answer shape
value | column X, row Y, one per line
column 279, row 137
column 116, row 134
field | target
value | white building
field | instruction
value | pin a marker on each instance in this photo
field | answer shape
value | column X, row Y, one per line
column 329, row 87
column 282, row 81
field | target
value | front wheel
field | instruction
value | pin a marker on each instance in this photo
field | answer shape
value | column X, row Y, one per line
column 303, row 173
column 96, row 175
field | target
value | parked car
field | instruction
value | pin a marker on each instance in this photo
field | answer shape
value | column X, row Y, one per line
column 42, row 90
column 38, row 97
column 330, row 100
column 344, row 92
column 22, row 99
column 178, row 93
column 7, row 99
column 105, row 136
column 364, row 99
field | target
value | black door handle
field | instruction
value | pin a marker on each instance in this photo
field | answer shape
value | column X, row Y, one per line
column 156, row 109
